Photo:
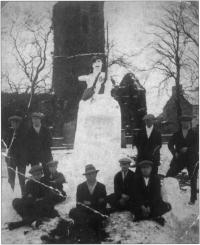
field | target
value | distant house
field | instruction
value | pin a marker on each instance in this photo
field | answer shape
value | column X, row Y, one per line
column 189, row 106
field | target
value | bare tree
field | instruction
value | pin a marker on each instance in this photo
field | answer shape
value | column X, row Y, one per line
column 13, row 86
column 190, row 21
column 171, row 47
column 31, row 55
column 190, row 27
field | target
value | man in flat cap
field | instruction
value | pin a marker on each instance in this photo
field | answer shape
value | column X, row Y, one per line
column 35, row 204
column 56, row 180
column 148, row 203
column 184, row 146
column 148, row 143
column 121, row 199
column 16, row 153
column 91, row 194
column 39, row 142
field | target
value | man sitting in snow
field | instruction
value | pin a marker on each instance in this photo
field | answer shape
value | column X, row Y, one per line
column 148, row 203
column 90, row 195
column 121, row 199
column 34, row 205
column 55, row 180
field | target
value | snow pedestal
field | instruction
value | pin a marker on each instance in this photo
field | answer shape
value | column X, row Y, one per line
column 98, row 136
column 171, row 193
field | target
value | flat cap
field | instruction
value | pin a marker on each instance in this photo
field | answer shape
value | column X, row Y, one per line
column 52, row 163
column 37, row 115
column 149, row 116
column 15, row 118
column 35, row 168
column 185, row 118
column 125, row 160
column 145, row 163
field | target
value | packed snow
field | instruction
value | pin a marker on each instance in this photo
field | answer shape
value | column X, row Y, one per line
column 182, row 221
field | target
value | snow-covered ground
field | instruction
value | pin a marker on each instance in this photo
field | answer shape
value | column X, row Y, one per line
column 181, row 227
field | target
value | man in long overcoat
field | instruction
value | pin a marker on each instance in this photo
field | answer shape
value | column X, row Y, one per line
column 39, row 142
column 17, row 152
column 148, row 143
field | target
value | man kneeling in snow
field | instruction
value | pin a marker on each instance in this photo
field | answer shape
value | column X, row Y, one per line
column 55, row 180
column 90, row 195
column 35, row 204
column 148, row 203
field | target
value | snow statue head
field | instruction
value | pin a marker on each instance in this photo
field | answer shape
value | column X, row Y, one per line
column 97, row 63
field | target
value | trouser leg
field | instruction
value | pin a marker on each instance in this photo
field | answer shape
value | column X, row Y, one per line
column 11, row 163
column 138, row 213
column 160, row 208
column 18, row 206
column 193, row 172
column 45, row 208
column 17, row 224
column 24, row 207
column 22, row 170
column 175, row 167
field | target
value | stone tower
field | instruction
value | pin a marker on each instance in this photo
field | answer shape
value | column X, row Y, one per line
column 78, row 29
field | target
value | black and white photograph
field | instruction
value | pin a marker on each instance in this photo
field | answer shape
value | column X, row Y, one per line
column 100, row 122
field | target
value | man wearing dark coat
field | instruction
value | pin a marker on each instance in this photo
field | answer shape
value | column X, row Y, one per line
column 56, row 180
column 184, row 146
column 91, row 194
column 38, row 143
column 121, row 199
column 148, row 143
column 35, row 204
column 148, row 203
column 17, row 155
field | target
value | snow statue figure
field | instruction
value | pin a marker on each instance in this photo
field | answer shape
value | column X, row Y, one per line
column 98, row 133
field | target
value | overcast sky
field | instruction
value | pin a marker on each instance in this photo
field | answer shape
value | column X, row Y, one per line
column 128, row 28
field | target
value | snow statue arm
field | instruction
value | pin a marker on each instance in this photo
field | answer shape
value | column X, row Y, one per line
column 83, row 78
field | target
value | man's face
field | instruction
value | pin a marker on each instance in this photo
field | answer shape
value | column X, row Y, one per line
column 91, row 177
column 52, row 169
column 36, row 122
column 185, row 124
column 146, row 170
column 37, row 175
column 149, row 122
column 124, row 166
column 15, row 124
column 97, row 64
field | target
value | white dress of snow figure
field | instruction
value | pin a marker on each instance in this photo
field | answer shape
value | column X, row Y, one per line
column 98, row 133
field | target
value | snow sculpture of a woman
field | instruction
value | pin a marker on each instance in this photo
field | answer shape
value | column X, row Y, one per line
column 98, row 133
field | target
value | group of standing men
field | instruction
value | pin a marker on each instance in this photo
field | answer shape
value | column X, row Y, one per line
column 27, row 146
